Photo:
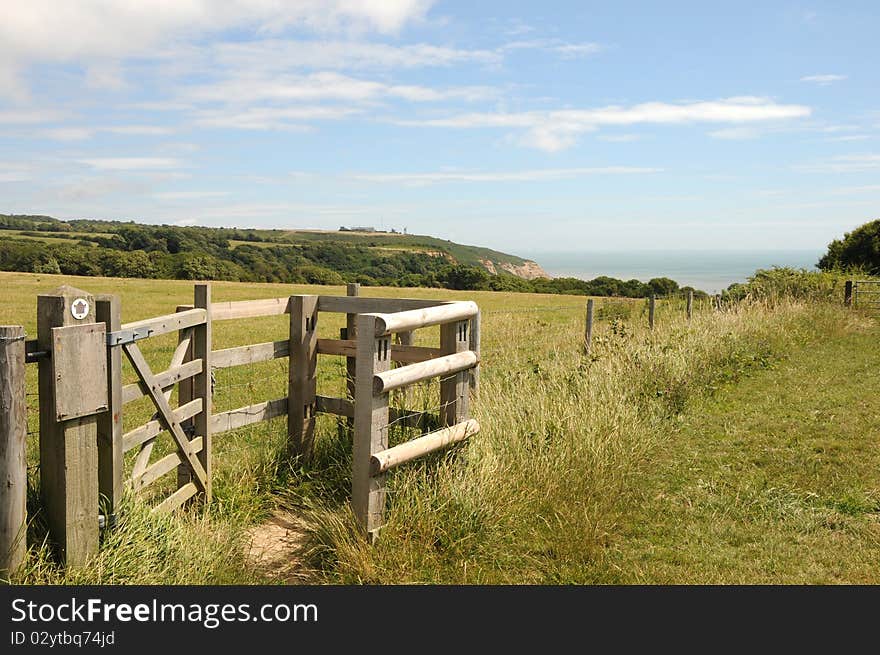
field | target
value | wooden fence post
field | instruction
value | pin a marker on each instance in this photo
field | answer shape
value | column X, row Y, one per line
column 203, row 383
column 185, row 395
column 848, row 293
column 13, row 453
column 588, row 332
column 690, row 305
column 108, row 310
column 475, row 346
column 454, row 394
column 718, row 302
column 302, row 378
column 651, row 303
column 352, row 289
column 370, row 425
column 68, row 448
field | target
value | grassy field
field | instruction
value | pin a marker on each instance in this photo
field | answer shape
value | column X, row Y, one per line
column 566, row 482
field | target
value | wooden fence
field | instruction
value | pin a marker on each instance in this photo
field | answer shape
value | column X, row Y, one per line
column 79, row 347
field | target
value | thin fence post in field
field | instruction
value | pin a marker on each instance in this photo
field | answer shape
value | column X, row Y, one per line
column 475, row 346
column 690, row 305
column 202, row 384
column 352, row 289
column 588, row 332
column 13, row 450
column 718, row 302
column 454, row 396
column 302, row 378
column 69, row 445
column 108, row 310
column 185, row 395
column 652, row 301
column 370, row 425
column 848, row 293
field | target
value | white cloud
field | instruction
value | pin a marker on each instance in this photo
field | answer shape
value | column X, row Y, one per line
column 98, row 30
column 271, row 118
column 132, row 163
column 823, row 80
column 321, row 86
column 423, row 179
column 68, row 133
column 283, row 55
column 855, row 163
column 850, row 137
column 29, row 117
column 558, row 129
column 619, row 138
column 77, row 133
column 189, row 195
column 576, row 50
column 736, row 133
column 562, row 48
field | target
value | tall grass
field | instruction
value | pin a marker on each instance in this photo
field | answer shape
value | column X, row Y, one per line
column 534, row 497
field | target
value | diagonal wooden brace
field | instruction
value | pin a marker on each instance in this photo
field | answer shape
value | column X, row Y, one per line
column 166, row 414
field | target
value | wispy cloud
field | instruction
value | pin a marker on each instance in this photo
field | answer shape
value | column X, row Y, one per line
column 189, row 195
column 736, row 133
column 536, row 175
column 855, row 163
column 272, row 118
column 619, row 138
column 322, row 86
column 556, row 130
column 80, row 133
column 132, row 163
column 823, row 80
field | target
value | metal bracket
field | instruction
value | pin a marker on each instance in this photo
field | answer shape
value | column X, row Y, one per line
column 122, row 337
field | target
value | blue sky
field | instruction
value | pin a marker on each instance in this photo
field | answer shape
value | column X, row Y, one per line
column 523, row 126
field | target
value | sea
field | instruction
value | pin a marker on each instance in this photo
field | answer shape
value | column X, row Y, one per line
column 707, row 270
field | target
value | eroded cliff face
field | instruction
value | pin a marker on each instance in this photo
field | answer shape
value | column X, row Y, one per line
column 529, row 270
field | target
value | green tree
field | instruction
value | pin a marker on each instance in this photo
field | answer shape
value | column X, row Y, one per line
column 858, row 249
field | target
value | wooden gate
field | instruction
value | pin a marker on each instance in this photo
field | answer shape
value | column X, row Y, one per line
column 80, row 345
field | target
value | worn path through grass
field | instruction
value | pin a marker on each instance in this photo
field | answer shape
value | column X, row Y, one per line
column 773, row 479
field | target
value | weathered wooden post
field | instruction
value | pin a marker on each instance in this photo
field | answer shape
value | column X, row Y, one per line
column 370, row 425
column 302, row 379
column 73, row 389
column 185, row 395
column 13, row 450
column 848, row 293
column 202, row 384
column 690, row 305
column 717, row 302
column 651, row 303
column 454, row 395
column 352, row 289
column 475, row 346
column 108, row 311
column 588, row 332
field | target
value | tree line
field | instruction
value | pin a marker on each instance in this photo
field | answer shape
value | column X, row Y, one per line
column 117, row 249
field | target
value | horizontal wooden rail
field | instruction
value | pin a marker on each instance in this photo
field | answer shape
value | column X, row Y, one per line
column 259, row 352
column 153, row 327
column 165, row 379
column 399, row 353
column 139, row 435
column 419, row 318
column 176, row 499
column 405, row 417
column 365, row 305
column 387, row 459
column 224, row 311
column 238, row 418
column 413, row 373
column 162, row 467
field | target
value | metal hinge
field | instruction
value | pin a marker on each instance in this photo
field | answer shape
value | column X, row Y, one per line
column 122, row 337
